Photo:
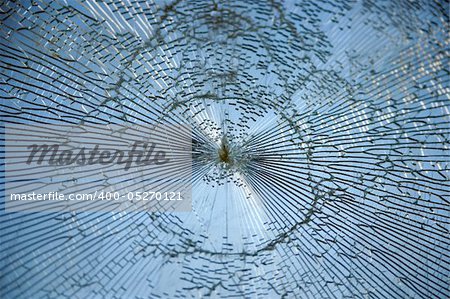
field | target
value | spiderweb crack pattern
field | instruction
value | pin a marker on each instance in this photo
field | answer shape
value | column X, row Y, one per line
column 320, row 145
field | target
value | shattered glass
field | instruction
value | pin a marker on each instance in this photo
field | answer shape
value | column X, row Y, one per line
column 320, row 146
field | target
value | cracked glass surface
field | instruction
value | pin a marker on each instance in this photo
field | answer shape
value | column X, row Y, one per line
column 320, row 146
